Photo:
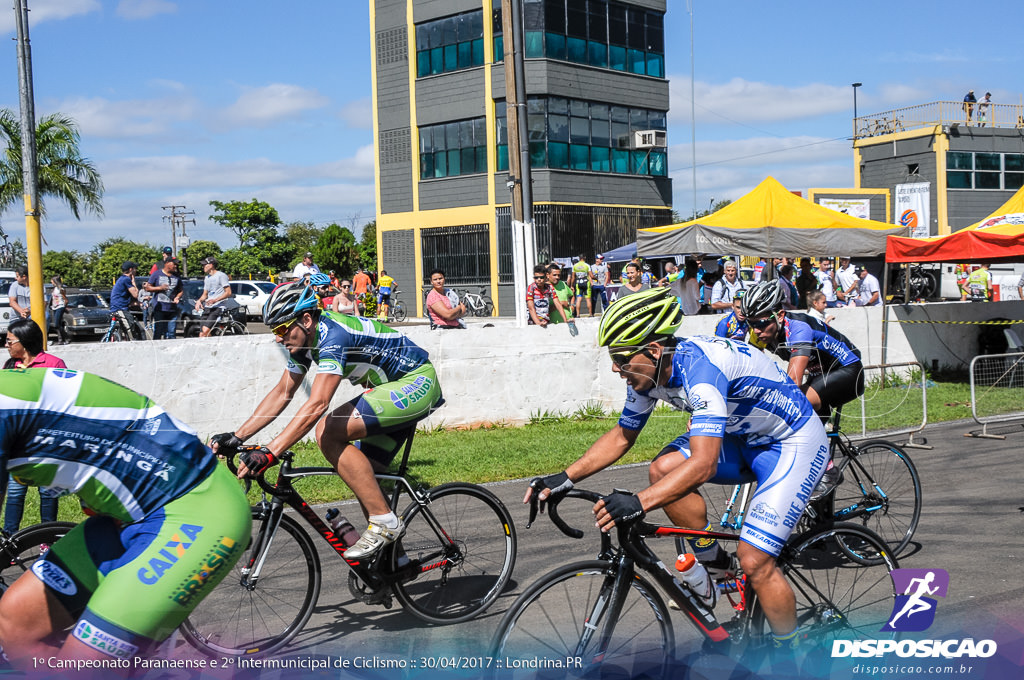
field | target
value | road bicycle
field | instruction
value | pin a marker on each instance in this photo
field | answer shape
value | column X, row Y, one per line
column 477, row 304
column 610, row 613
column 454, row 559
column 19, row 550
column 123, row 328
column 223, row 324
column 923, row 283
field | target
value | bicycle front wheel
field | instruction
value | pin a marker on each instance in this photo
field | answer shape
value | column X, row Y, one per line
column 253, row 615
column 565, row 614
column 880, row 490
column 229, row 328
column 464, row 542
column 25, row 547
column 399, row 311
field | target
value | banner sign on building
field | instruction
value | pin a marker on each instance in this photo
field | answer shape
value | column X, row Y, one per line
column 912, row 208
column 854, row 207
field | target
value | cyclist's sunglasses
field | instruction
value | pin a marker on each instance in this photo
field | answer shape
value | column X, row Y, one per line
column 761, row 324
column 622, row 358
column 282, row 328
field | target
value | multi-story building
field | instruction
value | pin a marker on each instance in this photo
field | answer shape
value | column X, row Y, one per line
column 595, row 75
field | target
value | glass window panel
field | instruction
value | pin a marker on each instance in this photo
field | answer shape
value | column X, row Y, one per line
column 496, row 24
column 533, row 14
column 597, row 54
column 617, row 58
column 538, row 155
column 558, row 156
column 501, row 125
column 450, row 30
column 466, row 134
column 451, row 57
column 987, row 161
column 639, row 162
column 468, row 159
column 538, row 105
column 465, row 54
column 655, row 65
column 461, row 33
column 655, row 32
column 1013, row 180
column 579, row 130
column 555, row 45
column 638, row 119
column 534, row 44
column 600, row 132
column 499, row 50
column 422, row 64
column 479, row 131
column 440, row 164
column 436, row 33
column 502, row 158
column 453, row 163
column 473, row 27
column 537, row 126
column 1013, row 161
column 620, row 161
column 499, row 108
column 422, row 37
column 599, row 111
column 579, row 157
column 616, row 25
column 426, row 140
column 635, row 22
column 427, row 166
column 986, row 180
column 477, row 47
column 600, row 159
column 959, row 160
column 636, row 61
column 451, row 136
column 576, row 50
column 620, row 114
column 437, row 60
column 558, row 128
column 620, row 136
column 438, row 131
column 656, row 119
column 659, row 163
column 481, row 158
column 578, row 107
column 597, row 22
column 554, row 16
column 959, row 180
column 576, row 19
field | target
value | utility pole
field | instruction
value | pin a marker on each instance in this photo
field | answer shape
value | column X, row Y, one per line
column 29, row 169
column 177, row 219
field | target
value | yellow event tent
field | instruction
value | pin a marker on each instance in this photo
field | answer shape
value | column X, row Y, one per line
column 771, row 221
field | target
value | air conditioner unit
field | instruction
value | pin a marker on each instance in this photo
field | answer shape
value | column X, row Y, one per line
column 649, row 139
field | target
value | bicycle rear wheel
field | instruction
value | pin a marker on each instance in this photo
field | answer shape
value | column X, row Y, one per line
column 465, row 543
column 399, row 312
column 488, row 305
column 880, row 490
column 242, row 617
column 565, row 614
column 26, row 546
column 229, row 328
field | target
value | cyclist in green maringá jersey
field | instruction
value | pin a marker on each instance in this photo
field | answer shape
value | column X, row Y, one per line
column 361, row 436
column 168, row 522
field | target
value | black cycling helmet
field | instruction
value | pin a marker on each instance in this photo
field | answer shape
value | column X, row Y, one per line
column 287, row 302
column 763, row 299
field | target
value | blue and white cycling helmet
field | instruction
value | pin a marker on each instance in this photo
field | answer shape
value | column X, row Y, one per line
column 287, row 302
column 319, row 280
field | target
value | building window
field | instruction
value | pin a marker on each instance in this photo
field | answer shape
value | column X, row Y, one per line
column 572, row 134
column 452, row 149
column 592, row 32
column 984, row 170
column 463, row 253
column 450, row 44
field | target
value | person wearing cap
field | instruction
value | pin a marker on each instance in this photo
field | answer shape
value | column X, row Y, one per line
column 167, row 254
column 869, row 293
column 969, row 101
column 168, row 289
column 306, row 267
column 217, row 295
column 123, row 296
column 602, row 278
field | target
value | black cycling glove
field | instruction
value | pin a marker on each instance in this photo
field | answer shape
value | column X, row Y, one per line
column 558, row 484
column 258, row 460
column 227, row 443
column 624, row 508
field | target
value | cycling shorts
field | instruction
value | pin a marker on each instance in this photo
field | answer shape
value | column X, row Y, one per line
column 211, row 315
column 582, row 289
column 786, row 473
column 838, row 385
column 391, row 411
column 129, row 586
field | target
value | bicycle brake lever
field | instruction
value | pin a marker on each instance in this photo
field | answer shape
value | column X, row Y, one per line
column 534, row 508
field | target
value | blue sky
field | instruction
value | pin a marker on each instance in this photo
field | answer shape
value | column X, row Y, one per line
column 185, row 101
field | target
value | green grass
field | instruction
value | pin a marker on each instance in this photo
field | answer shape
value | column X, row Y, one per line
column 551, row 441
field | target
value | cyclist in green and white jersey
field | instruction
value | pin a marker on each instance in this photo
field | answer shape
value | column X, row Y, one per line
column 361, row 436
column 169, row 521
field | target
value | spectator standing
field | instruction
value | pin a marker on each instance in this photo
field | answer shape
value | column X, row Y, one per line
column 58, row 304
column 806, row 281
column 306, row 267
column 789, row 292
column 869, row 293
column 539, row 299
column 25, row 346
column 560, row 290
column 344, row 302
column 167, row 253
column 361, row 287
column 217, row 295
column 759, row 270
column 384, row 285
column 826, row 282
column 983, row 109
column 122, row 296
column 816, row 305
column 601, row 279
column 726, row 289
column 674, row 280
column 21, row 300
column 846, row 280
column 443, row 306
column 691, row 289
column 334, row 279
column 166, row 284
column 581, row 281
column 969, row 101
column 979, row 284
column 1020, row 288
column 634, row 281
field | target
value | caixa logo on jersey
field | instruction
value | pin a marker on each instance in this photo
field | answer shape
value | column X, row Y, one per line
column 914, row 608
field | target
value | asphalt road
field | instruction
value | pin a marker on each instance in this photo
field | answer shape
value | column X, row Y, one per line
column 971, row 526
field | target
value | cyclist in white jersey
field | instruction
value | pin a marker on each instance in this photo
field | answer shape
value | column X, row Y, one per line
column 749, row 422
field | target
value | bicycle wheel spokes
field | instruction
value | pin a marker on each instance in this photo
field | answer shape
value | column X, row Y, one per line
column 27, row 546
column 465, row 551
column 253, row 617
column 881, row 490
column 568, row 614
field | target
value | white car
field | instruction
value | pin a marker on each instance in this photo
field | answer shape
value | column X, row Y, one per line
column 251, row 295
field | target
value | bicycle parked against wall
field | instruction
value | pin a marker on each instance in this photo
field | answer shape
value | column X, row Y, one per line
column 124, row 327
column 454, row 559
column 610, row 612
column 477, row 304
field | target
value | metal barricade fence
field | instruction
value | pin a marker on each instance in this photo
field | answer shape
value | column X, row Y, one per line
column 916, row 373
column 997, row 380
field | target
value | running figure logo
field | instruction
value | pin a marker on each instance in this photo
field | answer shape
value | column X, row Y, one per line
column 914, row 610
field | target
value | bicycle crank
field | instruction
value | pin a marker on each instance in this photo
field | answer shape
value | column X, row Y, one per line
column 368, row 594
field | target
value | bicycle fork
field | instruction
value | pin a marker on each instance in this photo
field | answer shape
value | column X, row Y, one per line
column 261, row 546
column 606, row 610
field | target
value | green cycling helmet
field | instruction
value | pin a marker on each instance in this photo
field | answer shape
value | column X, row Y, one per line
column 640, row 318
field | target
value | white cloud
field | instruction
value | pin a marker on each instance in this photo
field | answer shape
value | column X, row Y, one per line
column 99, row 117
column 144, row 9
column 41, row 11
column 358, row 114
column 263, row 106
column 744, row 101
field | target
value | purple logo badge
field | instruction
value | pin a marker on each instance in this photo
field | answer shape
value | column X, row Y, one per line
column 916, row 590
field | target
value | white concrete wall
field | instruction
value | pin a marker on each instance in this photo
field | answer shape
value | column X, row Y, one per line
column 488, row 374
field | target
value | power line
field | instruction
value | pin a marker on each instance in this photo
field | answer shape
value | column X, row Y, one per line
column 756, row 155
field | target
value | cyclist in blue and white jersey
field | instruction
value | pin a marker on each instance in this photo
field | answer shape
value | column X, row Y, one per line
column 749, row 422
column 361, row 436
column 835, row 374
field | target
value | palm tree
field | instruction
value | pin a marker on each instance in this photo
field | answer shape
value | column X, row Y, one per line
column 63, row 172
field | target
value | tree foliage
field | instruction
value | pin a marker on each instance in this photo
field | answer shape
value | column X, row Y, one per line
column 73, row 267
column 336, row 250
column 257, row 226
column 199, row 250
column 368, row 246
column 238, row 263
column 115, row 252
column 303, row 237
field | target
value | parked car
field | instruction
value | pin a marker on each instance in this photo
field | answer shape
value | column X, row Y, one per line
column 252, row 295
column 86, row 314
